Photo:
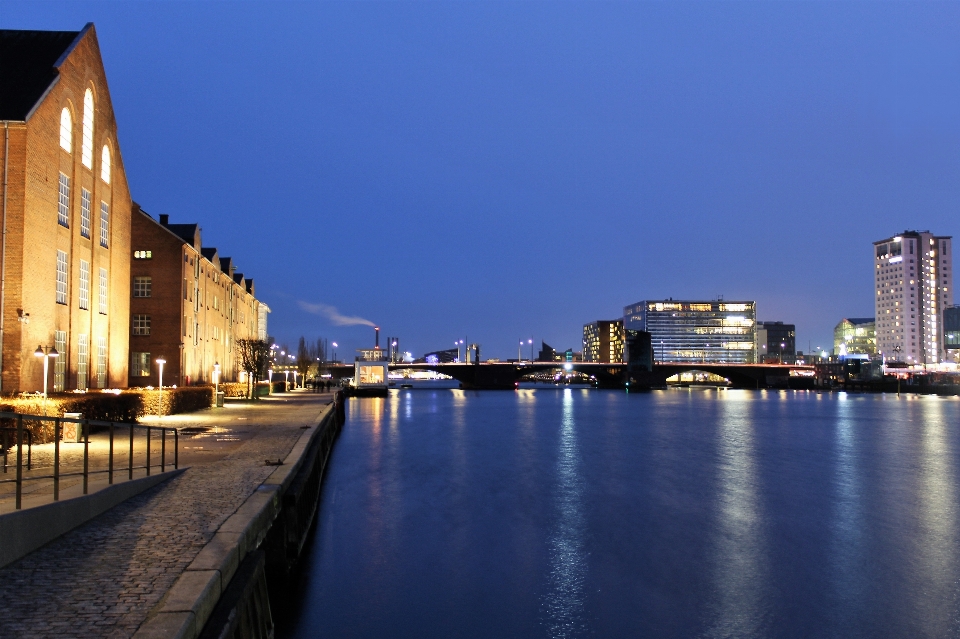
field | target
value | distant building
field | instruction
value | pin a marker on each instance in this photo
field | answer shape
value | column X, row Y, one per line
column 856, row 335
column 696, row 331
column 547, row 353
column 914, row 284
column 447, row 356
column 951, row 331
column 603, row 341
column 776, row 343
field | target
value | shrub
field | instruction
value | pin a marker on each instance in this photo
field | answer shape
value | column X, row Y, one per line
column 109, row 407
column 185, row 399
column 279, row 387
column 234, row 389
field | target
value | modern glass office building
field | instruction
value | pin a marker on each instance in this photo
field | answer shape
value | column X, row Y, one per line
column 857, row 335
column 712, row 331
column 603, row 341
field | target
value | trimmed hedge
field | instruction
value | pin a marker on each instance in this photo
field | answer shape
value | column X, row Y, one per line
column 127, row 406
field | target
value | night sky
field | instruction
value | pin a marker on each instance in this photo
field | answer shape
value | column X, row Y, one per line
column 515, row 170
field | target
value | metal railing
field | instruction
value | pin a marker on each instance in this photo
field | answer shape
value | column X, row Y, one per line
column 20, row 434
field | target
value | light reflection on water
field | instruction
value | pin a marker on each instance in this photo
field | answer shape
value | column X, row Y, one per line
column 563, row 603
column 570, row 512
column 739, row 570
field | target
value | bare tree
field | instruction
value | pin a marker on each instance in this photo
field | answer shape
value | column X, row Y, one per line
column 304, row 360
column 252, row 357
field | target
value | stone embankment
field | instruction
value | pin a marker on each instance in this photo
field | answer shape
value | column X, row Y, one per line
column 158, row 564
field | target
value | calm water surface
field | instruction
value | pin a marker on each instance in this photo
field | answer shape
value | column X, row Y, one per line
column 680, row 513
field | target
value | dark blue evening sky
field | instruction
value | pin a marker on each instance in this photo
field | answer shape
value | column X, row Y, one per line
column 507, row 170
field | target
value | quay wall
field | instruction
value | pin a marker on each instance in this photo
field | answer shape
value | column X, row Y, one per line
column 224, row 592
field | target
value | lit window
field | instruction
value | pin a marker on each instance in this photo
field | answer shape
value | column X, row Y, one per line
column 86, row 147
column 141, row 324
column 63, row 204
column 142, row 286
column 60, row 363
column 82, row 355
column 104, row 224
column 66, row 130
column 103, row 291
column 143, row 255
column 84, row 213
column 61, row 277
column 101, row 362
column 105, row 164
column 139, row 364
column 84, row 284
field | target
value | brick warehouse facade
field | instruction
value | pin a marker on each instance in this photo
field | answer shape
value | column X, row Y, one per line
column 189, row 305
column 65, row 255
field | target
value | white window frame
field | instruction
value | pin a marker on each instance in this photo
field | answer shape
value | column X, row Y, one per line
column 60, row 363
column 82, row 359
column 104, row 224
column 86, row 145
column 105, row 164
column 139, row 364
column 84, row 285
column 103, row 291
column 142, row 286
column 101, row 362
column 61, row 277
column 85, row 212
column 63, row 203
column 141, row 324
column 66, row 130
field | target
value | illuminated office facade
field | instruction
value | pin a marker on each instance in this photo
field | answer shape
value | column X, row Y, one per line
column 914, row 284
column 855, row 336
column 697, row 331
column 603, row 341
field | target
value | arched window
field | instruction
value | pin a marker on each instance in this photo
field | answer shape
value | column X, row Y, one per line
column 66, row 130
column 105, row 164
column 86, row 148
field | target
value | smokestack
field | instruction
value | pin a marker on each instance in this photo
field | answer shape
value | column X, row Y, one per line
column 377, row 329
column 164, row 219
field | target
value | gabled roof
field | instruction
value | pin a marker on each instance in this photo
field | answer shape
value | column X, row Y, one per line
column 28, row 67
column 186, row 232
column 210, row 254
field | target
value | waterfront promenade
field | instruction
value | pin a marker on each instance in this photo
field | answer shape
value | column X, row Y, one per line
column 104, row 578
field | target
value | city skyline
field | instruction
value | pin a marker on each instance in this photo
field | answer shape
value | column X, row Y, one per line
column 521, row 170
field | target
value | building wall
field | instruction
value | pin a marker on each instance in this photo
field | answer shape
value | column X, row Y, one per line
column 34, row 235
column 857, row 338
column 697, row 331
column 913, row 282
column 196, row 310
column 603, row 341
column 776, row 342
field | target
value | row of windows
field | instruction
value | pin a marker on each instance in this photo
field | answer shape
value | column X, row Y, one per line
column 84, row 284
column 86, row 144
column 63, row 212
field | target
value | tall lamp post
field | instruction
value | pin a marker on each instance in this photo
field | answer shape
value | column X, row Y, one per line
column 530, row 341
column 160, row 362
column 47, row 353
column 897, row 350
column 782, row 346
column 216, row 381
column 334, row 352
column 519, row 356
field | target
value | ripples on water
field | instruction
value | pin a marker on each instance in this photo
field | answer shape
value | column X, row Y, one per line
column 683, row 513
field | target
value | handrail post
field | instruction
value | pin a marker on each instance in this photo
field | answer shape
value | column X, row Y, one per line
column 176, row 449
column 86, row 453
column 19, row 460
column 130, row 461
column 3, row 444
column 29, row 450
column 110, row 460
column 56, row 459
column 148, row 451
column 163, row 450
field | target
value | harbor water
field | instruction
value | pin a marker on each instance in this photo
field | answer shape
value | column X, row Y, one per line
column 567, row 512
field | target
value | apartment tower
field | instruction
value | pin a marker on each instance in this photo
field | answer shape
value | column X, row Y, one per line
column 914, row 284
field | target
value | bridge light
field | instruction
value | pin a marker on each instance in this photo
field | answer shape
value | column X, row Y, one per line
column 568, row 367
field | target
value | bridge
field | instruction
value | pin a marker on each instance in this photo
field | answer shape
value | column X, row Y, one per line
column 506, row 375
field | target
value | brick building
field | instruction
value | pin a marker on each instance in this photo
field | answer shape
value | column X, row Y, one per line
column 65, row 252
column 189, row 305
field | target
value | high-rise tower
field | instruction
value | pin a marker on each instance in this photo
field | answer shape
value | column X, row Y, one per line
column 913, row 283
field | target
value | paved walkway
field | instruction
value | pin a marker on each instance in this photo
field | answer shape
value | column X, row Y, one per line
column 103, row 578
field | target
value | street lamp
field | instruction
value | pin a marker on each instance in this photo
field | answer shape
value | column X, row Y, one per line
column 530, row 341
column 216, row 380
column 161, row 362
column 519, row 356
column 42, row 351
column 782, row 346
column 334, row 352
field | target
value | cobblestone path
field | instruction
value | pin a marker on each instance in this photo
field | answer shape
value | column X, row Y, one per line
column 101, row 579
